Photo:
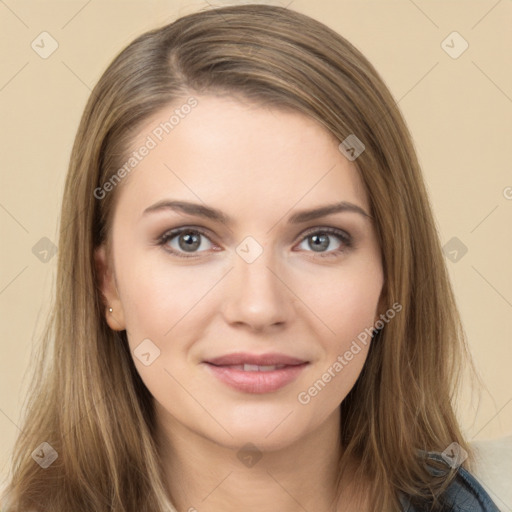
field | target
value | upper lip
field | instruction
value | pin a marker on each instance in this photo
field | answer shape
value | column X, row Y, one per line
column 268, row 359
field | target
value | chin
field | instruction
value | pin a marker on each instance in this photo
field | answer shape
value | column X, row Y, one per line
column 268, row 433
column 251, row 439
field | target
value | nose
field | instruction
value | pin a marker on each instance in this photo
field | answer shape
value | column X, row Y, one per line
column 257, row 294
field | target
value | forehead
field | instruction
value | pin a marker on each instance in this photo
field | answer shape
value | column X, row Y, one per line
column 238, row 155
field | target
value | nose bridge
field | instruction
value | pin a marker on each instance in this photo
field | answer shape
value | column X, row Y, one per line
column 256, row 295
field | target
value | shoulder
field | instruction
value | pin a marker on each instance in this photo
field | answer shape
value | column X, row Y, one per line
column 464, row 494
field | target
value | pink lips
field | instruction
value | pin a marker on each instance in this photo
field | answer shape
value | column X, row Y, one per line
column 229, row 369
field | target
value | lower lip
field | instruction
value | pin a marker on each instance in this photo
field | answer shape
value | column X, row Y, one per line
column 256, row 382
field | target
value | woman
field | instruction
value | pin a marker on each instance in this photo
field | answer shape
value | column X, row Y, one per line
column 252, row 307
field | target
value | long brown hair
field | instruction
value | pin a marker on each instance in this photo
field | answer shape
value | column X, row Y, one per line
column 87, row 400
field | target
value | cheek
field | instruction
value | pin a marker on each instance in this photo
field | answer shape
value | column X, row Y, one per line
column 156, row 295
column 158, row 303
column 345, row 302
column 347, row 309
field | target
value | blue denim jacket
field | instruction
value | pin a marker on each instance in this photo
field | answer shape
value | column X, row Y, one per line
column 464, row 494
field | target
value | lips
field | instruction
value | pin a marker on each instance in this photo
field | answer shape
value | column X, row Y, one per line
column 252, row 373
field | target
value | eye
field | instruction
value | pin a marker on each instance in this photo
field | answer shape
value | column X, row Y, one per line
column 186, row 242
column 320, row 240
column 183, row 240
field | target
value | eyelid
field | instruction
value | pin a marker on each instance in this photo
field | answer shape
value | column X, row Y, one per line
column 326, row 229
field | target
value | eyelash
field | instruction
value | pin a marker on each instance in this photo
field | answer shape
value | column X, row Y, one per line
column 344, row 238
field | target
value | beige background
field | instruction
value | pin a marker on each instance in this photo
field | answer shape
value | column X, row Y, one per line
column 459, row 111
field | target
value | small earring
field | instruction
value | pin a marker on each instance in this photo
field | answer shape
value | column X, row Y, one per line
column 110, row 310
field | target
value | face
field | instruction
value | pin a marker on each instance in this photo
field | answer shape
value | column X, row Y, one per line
column 240, row 298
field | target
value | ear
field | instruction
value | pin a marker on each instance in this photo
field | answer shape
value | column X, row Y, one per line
column 108, row 287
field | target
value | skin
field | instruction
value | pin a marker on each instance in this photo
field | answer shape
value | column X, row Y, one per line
column 259, row 166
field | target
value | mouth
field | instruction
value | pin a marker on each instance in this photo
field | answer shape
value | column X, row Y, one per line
column 260, row 360
column 256, row 374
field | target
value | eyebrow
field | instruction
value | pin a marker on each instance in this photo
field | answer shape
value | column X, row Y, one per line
column 217, row 215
